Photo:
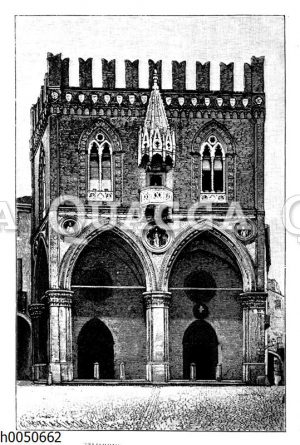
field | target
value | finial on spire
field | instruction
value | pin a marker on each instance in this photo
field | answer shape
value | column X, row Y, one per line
column 155, row 79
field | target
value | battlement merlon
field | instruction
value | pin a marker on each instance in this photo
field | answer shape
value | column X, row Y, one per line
column 57, row 96
column 58, row 74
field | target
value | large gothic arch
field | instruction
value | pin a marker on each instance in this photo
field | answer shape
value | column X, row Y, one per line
column 241, row 255
column 87, row 235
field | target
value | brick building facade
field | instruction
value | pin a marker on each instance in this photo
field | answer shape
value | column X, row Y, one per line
column 139, row 267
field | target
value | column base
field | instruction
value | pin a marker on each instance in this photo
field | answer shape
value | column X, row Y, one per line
column 61, row 372
column 254, row 373
column 158, row 372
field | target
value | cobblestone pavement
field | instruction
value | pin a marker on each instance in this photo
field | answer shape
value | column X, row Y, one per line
column 151, row 408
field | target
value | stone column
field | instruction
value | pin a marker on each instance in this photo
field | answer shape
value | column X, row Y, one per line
column 157, row 319
column 254, row 312
column 60, row 334
column 35, row 312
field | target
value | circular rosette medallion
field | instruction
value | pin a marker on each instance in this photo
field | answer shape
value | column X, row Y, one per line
column 70, row 227
column 245, row 230
column 157, row 238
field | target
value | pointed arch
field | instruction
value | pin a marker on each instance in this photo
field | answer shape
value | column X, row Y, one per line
column 239, row 252
column 200, row 347
column 214, row 128
column 88, row 234
column 95, row 344
column 23, row 347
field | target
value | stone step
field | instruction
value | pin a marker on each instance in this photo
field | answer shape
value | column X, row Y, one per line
column 141, row 382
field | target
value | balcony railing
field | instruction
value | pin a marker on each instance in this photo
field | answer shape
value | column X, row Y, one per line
column 94, row 195
column 156, row 195
column 213, row 197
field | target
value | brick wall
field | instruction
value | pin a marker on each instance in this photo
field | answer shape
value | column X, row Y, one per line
column 24, row 248
column 70, row 128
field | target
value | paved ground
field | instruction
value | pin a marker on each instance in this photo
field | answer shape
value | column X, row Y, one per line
column 151, row 408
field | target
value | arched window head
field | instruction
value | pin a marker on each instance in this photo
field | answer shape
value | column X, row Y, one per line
column 100, row 168
column 213, row 167
column 206, row 170
column 106, row 168
column 94, row 167
column 218, row 171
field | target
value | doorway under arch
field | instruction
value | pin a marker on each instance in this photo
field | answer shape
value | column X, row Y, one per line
column 200, row 346
column 23, row 348
column 95, row 345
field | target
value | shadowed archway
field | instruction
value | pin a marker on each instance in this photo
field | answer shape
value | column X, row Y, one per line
column 95, row 344
column 200, row 346
column 23, row 348
column 41, row 281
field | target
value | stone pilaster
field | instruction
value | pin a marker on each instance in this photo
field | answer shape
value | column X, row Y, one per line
column 60, row 334
column 254, row 312
column 35, row 312
column 157, row 304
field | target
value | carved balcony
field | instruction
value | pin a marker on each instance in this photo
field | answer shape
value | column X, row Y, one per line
column 156, row 195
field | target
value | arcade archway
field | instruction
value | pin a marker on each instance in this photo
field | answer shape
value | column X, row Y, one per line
column 200, row 347
column 23, row 348
column 95, row 345
column 205, row 309
column 108, row 281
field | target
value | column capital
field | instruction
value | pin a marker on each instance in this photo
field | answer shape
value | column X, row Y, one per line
column 59, row 297
column 157, row 298
column 254, row 300
column 35, row 310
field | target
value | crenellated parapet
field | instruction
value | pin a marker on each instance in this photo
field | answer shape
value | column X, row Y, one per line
column 57, row 97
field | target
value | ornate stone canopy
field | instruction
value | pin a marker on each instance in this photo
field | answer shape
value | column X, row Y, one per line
column 156, row 137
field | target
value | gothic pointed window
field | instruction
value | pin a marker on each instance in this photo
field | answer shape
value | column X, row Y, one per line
column 100, row 169
column 42, row 183
column 213, row 169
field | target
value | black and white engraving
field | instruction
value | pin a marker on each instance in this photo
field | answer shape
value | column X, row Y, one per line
column 145, row 246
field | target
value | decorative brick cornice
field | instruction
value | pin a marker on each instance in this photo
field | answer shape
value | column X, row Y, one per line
column 59, row 297
column 254, row 300
column 59, row 98
column 35, row 310
column 157, row 299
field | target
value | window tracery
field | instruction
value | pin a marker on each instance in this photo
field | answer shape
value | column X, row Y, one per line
column 213, row 187
column 100, row 175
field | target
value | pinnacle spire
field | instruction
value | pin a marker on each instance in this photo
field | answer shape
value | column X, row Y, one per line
column 156, row 115
column 156, row 137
